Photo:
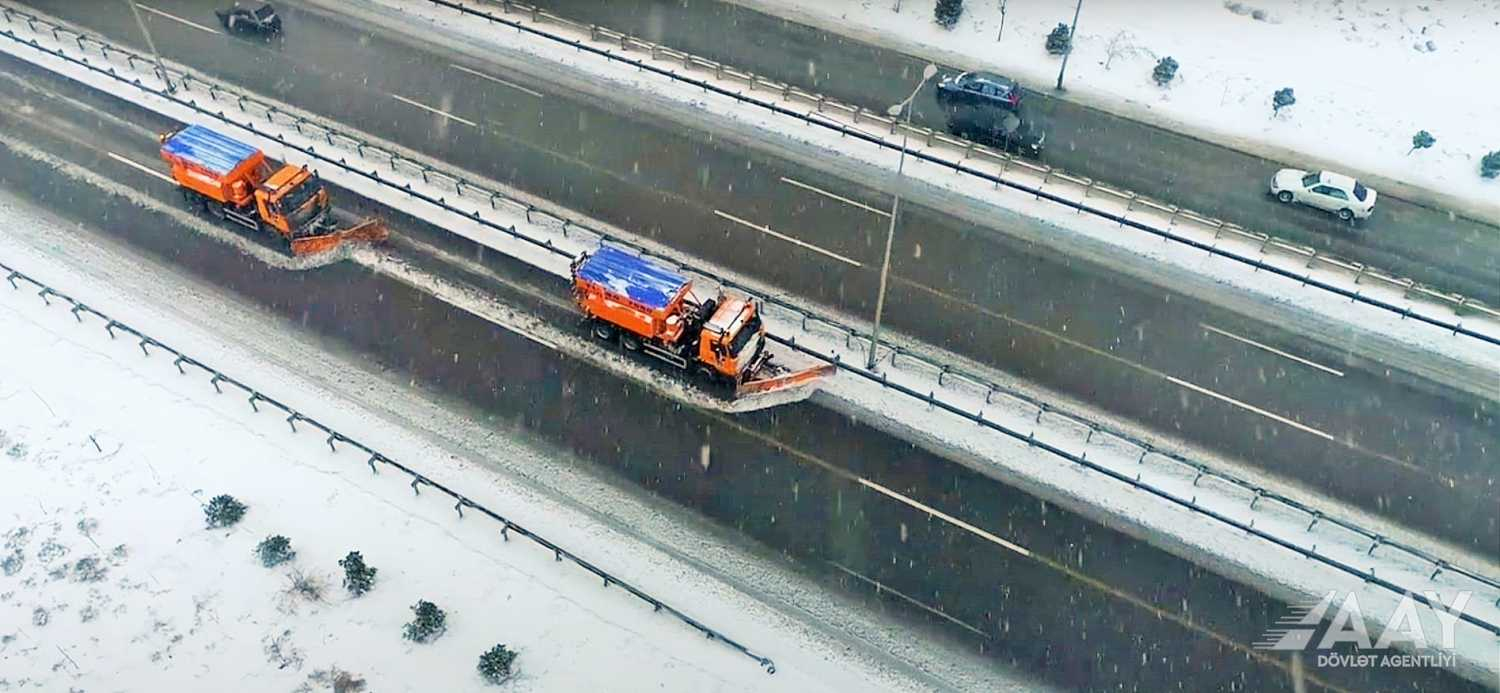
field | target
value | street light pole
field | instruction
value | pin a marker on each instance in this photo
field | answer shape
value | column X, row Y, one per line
column 1072, row 36
column 890, row 234
column 152, row 45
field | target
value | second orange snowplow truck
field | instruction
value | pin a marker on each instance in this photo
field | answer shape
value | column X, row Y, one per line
column 650, row 308
column 234, row 181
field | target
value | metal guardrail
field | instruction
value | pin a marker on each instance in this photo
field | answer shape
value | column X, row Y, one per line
column 418, row 480
column 465, row 189
column 1457, row 302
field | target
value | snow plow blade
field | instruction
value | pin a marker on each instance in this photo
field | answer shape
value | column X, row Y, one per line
column 367, row 231
column 784, row 382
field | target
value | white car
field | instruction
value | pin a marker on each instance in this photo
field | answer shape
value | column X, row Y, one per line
column 1326, row 190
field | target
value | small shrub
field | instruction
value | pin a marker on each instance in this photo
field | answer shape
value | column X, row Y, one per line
column 275, row 550
column 309, row 587
column 1422, row 140
column 496, row 665
column 1489, row 166
column 358, row 577
column 1281, row 99
column 88, row 570
column 947, row 12
column 430, row 622
column 1166, row 70
column 1060, row 40
column 223, row 511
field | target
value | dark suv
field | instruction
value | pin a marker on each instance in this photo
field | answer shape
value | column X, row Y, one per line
column 979, row 89
column 1012, row 131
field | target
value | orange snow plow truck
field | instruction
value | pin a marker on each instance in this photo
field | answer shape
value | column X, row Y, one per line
column 233, row 181
column 652, row 309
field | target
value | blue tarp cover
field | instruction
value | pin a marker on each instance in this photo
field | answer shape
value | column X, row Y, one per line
column 208, row 149
column 632, row 276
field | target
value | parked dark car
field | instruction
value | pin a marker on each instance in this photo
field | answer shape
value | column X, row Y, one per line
column 1011, row 130
column 979, row 89
column 261, row 21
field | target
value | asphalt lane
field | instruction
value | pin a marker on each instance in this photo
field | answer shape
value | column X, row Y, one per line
column 1350, row 427
column 1451, row 252
column 796, row 479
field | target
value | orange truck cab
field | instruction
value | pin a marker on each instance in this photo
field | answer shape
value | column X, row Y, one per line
column 650, row 308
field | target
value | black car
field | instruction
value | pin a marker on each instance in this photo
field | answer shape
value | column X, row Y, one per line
column 1011, row 130
column 979, row 89
column 262, row 21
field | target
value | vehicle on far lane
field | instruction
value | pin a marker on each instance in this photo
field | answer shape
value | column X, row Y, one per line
column 1013, row 131
column 261, row 21
column 1342, row 195
column 979, row 89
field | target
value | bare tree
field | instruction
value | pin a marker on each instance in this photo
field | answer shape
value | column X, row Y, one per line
column 1120, row 44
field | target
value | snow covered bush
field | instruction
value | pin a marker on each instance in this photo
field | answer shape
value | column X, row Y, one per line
column 275, row 550
column 495, row 666
column 1060, row 40
column 947, row 12
column 1422, row 140
column 1281, row 99
column 429, row 623
column 223, row 511
column 1489, row 166
column 358, row 577
column 1166, row 69
column 309, row 587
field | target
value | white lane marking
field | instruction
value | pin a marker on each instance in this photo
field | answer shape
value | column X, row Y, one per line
column 1271, row 349
column 178, row 19
column 140, row 167
column 840, row 198
column 767, row 230
column 430, row 109
column 944, row 517
column 497, row 80
column 1251, row 408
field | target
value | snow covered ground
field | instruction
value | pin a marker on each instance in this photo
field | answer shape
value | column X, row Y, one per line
column 112, row 581
column 1368, row 74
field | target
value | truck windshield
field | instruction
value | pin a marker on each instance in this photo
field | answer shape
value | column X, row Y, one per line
column 747, row 332
column 295, row 205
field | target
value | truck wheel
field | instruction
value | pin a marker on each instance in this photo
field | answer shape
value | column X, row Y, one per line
column 630, row 342
column 604, row 331
column 191, row 200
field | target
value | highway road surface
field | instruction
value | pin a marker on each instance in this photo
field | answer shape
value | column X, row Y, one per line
column 1451, row 252
column 1393, row 444
column 961, row 556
